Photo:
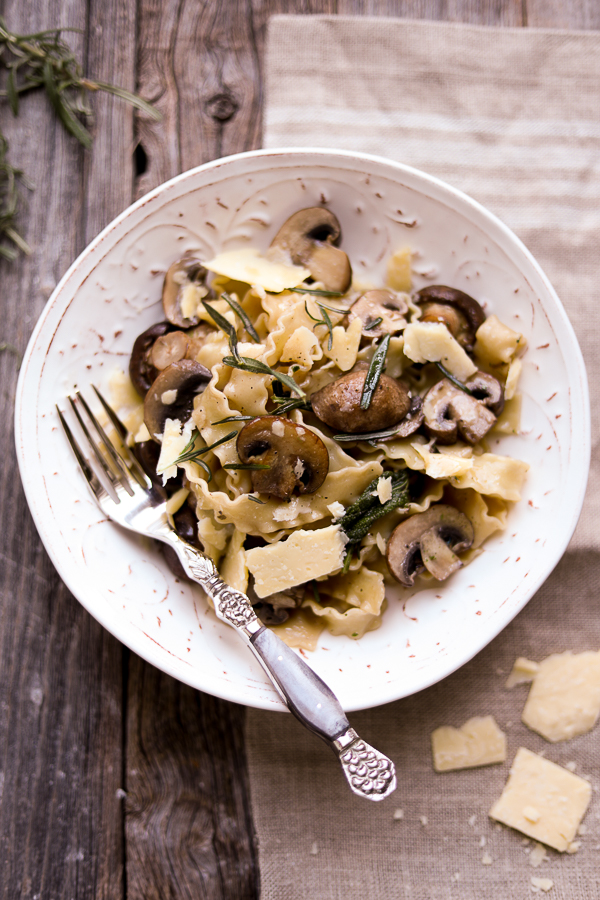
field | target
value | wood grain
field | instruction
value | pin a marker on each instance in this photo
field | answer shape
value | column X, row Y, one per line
column 60, row 672
column 189, row 825
column 82, row 718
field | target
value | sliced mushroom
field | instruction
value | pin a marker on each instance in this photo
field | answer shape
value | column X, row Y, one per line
column 308, row 238
column 338, row 403
column 449, row 412
column 297, row 457
column 141, row 370
column 381, row 312
column 458, row 311
column 184, row 279
column 275, row 609
column 172, row 394
column 413, row 420
column 429, row 540
column 487, row 390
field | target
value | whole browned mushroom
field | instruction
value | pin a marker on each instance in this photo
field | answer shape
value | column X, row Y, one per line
column 141, row 370
column 296, row 456
column 338, row 403
column 185, row 274
column 308, row 238
column 381, row 312
column 458, row 311
column 449, row 412
column 429, row 540
column 172, row 394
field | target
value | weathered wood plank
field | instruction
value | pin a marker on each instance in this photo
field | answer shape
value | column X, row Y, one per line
column 579, row 15
column 60, row 672
column 189, row 824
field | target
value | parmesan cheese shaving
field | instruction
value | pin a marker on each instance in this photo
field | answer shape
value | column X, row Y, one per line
column 432, row 342
column 564, row 699
column 249, row 266
column 479, row 742
column 303, row 556
column 523, row 671
column 558, row 797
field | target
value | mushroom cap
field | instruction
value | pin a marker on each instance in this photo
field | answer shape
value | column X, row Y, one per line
column 440, row 524
column 183, row 272
column 487, row 390
column 308, row 238
column 168, row 348
column 141, row 370
column 297, row 457
column 449, row 411
column 379, row 304
column 338, row 403
column 468, row 318
column 185, row 378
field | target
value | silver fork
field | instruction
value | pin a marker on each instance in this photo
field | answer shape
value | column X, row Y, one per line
column 133, row 502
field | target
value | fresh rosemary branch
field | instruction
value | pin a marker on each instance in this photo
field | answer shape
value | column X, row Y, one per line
column 246, row 364
column 364, row 512
column 325, row 320
column 242, row 316
column 299, row 290
column 191, row 455
column 374, row 374
column 447, row 374
column 45, row 61
column 225, row 326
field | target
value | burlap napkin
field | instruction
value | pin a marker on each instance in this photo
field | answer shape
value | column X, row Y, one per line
column 512, row 117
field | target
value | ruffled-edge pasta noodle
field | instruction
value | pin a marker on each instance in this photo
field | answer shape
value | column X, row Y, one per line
column 332, row 439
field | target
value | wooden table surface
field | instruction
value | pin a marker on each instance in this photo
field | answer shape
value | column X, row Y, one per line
column 115, row 780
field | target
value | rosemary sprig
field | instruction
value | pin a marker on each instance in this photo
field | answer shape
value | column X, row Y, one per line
column 447, row 374
column 234, row 419
column 242, row 316
column 299, row 290
column 45, row 61
column 374, row 374
column 373, row 324
column 253, row 466
column 9, row 201
column 190, row 455
column 255, row 499
column 225, row 326
column 315, row 590
column 10, row 348
column 325, row 320
column 368, row 436
column 246, row 364
column 286, row 405
column 364, row 512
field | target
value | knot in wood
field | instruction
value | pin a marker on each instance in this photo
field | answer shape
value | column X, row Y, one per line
column 222, row 107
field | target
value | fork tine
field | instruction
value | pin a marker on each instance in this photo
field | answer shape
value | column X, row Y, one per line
column 122, row 473
column 130, row 460
column 90, row 477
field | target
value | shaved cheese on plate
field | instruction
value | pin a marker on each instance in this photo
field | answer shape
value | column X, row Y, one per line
column 564, row 699
column 252, row 268
column 558, row 798
column 303, row 556
column 479, row 742
column 432, row 342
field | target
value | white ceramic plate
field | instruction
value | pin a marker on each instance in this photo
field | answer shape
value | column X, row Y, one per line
column 111, row 294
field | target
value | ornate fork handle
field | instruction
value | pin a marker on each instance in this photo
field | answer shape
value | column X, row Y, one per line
column 370, row 774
